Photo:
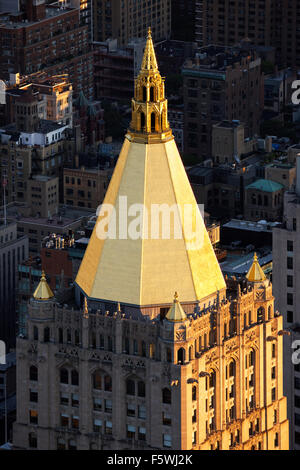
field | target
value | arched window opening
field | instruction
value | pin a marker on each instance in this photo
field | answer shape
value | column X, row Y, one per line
column 152, row 122
column 64, row 376
column 194, row 393
column 152, row 93
column 141, row 389
column 46, row 334
column 107, row 383
column 130, row 387
column 269, row 312
column 76, row 335
column 69, row 336
column 74, row 377
column 144, row 93
column 33, row 373
column 60, row 335
column 190, row 353
column 97, row 380
column 232, row 369
column 180, row 356
column 35, row 333
column 212, row 379
column 166, row 396
column 260, row 315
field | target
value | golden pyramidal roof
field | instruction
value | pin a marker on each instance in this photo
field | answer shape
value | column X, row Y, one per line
column 255, row 273
column 43, row 290
column 145, row 270
column 176, row 312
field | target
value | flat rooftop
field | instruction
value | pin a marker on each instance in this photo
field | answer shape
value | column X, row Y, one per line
column 239, row 265
column 8, row 22
column 262, row 226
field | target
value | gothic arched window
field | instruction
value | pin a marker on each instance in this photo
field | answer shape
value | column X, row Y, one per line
column 97, row 380
column 166, row 396
column 33, row 373
column 64, row 376
column 74, row 377
column 181, row 355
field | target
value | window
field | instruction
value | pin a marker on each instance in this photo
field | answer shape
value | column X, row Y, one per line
column 273, row 374
column 141, row 389
column 35, row 333
column 97, row 404
column 46, row 335
column 142, row 412
column 33, row 373
column 130, row 387
column 194, row 393
column 130, row 431
column 276, row 440
column 107, row 383
column 32, row 440
column 64, row 376
column 33, row 396
column 74, row 377
column 97, row 425
column 33, row 416
column 108, row 427
column 289, row 262
column 64, row 420
column 75, row 400
column 108, row 406
column 194, row 440
column 130, row 409
column 273, row 394
column 75, row 422
column 297, row 419
column 167, row 440
column 289, row 280
column 64, row 399
column 141, row 434
column 166, row 419
column 166, row 396
column 289, row 316
column 97, row 380
column 289, row 298
column 289, row 245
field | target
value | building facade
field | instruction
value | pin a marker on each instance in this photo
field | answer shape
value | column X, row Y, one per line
column 13, row 250
column 268, row 23
column 47, row 38
column 220, row 84
column 286, row 282
column 127, row 368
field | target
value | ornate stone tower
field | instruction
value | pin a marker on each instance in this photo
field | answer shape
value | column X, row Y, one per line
column 127, row 368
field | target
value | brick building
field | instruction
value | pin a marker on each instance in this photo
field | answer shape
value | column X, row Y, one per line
column 46, row 38
column 268, row 23
column 220, row 84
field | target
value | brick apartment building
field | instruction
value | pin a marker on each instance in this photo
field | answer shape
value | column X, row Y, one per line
column 220, row 83
column 47, row 38
column 265, row 23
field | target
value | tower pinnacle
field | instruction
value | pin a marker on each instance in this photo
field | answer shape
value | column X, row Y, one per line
column 149, row 106
column 43, row 290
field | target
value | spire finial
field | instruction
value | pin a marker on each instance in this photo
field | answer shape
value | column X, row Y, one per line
column 255, row 273
column 85, row 309
column 176, row 296
column 149, row 33
column 43, row 290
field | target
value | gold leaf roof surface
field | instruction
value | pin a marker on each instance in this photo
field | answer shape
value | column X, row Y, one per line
column 255, row 273
column 43, row 290
column 145, row 271
column 176, row 312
